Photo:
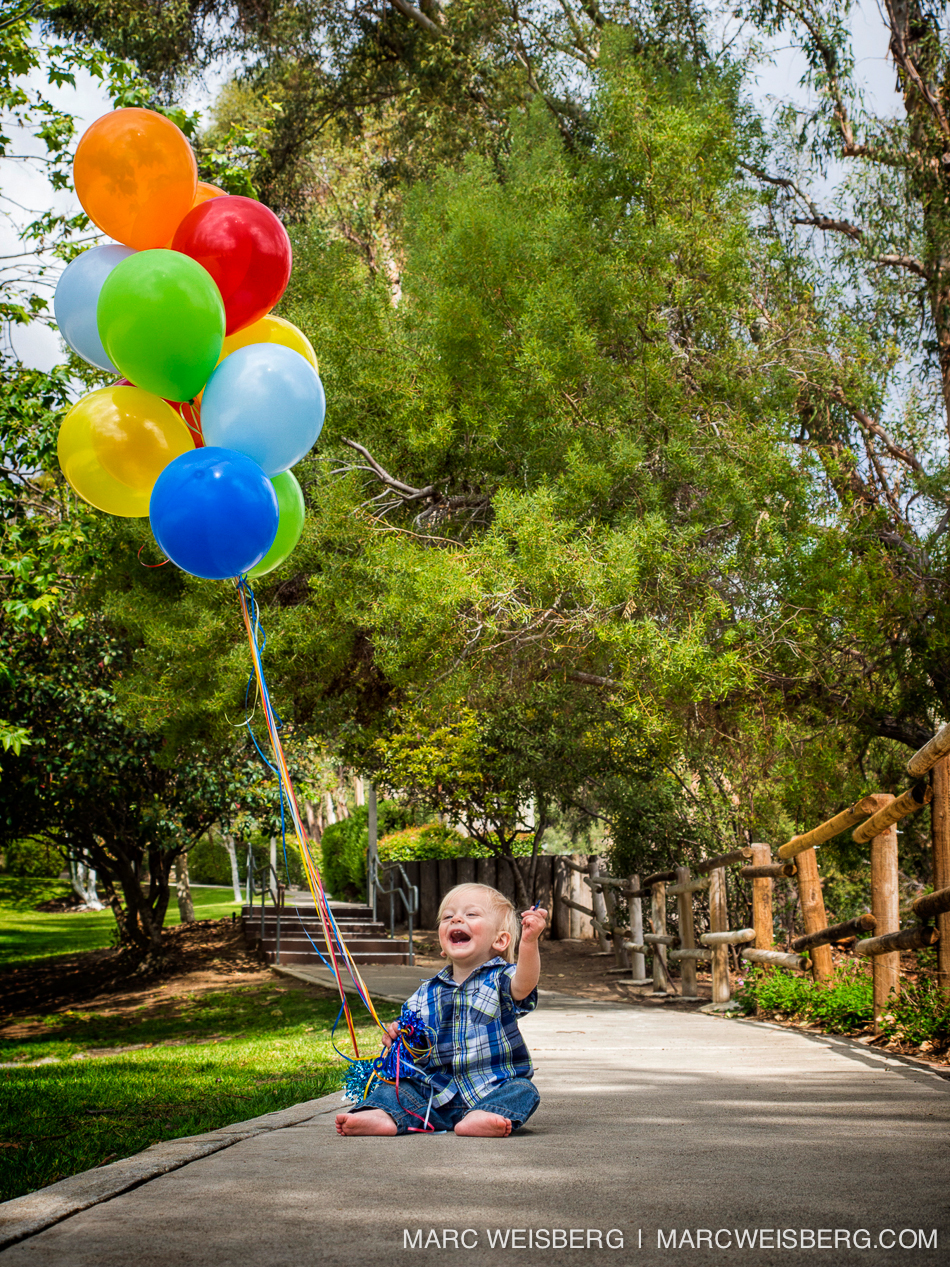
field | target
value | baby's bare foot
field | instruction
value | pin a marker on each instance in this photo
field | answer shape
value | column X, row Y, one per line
column 371, row 1122
column 478, row 1122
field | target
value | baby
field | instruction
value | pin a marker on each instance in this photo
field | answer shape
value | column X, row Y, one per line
column 478, row 1075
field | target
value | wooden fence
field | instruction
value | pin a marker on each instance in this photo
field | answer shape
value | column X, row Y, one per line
column 873, row 820
column 583, row 900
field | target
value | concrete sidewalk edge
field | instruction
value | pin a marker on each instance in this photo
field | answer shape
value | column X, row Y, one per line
column 25, row 1216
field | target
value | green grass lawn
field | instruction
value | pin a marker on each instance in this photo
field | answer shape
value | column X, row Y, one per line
column 26, row 933
column 81, row 1110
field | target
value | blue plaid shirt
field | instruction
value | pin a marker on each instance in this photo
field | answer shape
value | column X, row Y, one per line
column 478, row 1044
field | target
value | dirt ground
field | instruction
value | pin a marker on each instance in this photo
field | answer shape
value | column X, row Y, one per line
column 579, row 968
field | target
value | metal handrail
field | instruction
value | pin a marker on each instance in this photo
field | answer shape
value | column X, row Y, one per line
column 407, row 892
column 274, row 887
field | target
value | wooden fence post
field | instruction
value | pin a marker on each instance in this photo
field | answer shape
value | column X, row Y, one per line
column 618, row 935
column 719, row 923
column 661, row 980
column 684, row 905
column 813, row 909
column 561, row 916
column 885, row 906
column 581, row 927
column 940, row 829
column 598, row 904
column 638, row 964
column 762, row 920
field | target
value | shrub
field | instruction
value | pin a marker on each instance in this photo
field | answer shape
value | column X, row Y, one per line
column 208, row 862
column 30, row 857
column 919, row 1015
column 344, row 846
column 841, row 1004
column 431, row 840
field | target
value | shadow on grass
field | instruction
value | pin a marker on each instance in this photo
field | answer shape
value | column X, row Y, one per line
column 213, row 1059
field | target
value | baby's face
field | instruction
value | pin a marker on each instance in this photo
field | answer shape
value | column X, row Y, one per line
column 469, row 931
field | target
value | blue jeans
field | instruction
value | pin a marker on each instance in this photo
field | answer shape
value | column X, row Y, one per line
column 515, row 1099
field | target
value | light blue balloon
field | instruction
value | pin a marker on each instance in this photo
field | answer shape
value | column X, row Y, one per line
column 267, row 401
column 77, row 294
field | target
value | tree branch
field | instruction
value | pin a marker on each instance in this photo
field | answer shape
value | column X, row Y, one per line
column 406, row 491
column 416, row 15
column 901, row 55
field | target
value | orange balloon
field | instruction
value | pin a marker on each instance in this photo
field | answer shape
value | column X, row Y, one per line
column 136, row 176
column 204, row 193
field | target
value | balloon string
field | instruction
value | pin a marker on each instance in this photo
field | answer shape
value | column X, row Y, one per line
column 332, row 936
column 191, row 419
column 150, row 565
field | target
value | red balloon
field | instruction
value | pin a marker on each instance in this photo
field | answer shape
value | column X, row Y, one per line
column 246, row 250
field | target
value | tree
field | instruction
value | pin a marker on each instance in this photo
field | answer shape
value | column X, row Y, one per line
column 552, row 475
column 856, row 310
column 96, row 788
column 358, row 99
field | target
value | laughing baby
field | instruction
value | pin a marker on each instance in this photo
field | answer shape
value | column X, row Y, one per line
column 477, row 1079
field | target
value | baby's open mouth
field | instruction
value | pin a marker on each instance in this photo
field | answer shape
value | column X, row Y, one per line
column 457, row 936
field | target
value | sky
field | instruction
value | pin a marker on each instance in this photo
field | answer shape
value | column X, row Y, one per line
column 39, row 346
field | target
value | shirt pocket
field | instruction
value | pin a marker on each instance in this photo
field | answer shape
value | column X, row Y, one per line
column 485, row 1005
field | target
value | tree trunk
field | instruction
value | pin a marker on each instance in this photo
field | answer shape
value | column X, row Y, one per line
column 186, row 907
column 83, row 879
column 521, row 893
column 235, row 869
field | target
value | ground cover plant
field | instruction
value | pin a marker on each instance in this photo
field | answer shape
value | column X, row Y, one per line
column 919, row 1019
column 87, row 1085
column 27, row 933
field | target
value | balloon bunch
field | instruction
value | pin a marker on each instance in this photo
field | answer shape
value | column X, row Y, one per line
column 217, row 398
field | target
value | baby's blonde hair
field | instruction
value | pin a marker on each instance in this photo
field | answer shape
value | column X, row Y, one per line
column 498, row 905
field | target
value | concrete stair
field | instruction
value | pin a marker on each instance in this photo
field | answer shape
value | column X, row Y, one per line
column 301, row 929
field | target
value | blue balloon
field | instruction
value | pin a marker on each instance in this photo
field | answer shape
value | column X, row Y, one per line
column 267, row 401
column 214, row 513
column 77, row 294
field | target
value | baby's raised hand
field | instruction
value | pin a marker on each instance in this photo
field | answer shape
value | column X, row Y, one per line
column 532, row 923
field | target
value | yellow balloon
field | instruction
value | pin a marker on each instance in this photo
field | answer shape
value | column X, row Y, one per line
column 114, row 444
column 271, row 329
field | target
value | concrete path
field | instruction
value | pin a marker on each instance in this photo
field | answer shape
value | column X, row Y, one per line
column 394, row 982
column 665, row 1129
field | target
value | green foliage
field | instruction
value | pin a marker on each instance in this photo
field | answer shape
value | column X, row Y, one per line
column 208, row 862
column 31, row 857
column 840, row 1005
column 921, row 1014
column 344, row 846
column 655, row 821
column 265, row 1048
column 430, row 840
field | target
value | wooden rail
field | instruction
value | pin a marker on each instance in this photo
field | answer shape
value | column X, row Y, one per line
column 776, row 958
column 723, row 860
column 825, row 831
column 926, row 758
column 771, row 871
column 732, row 937
column 930, row 905
column 908, row 939
column 913, row 799
column 836, row 932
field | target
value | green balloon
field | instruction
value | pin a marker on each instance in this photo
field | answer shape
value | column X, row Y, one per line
column 161, row 319
column 289, row 526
